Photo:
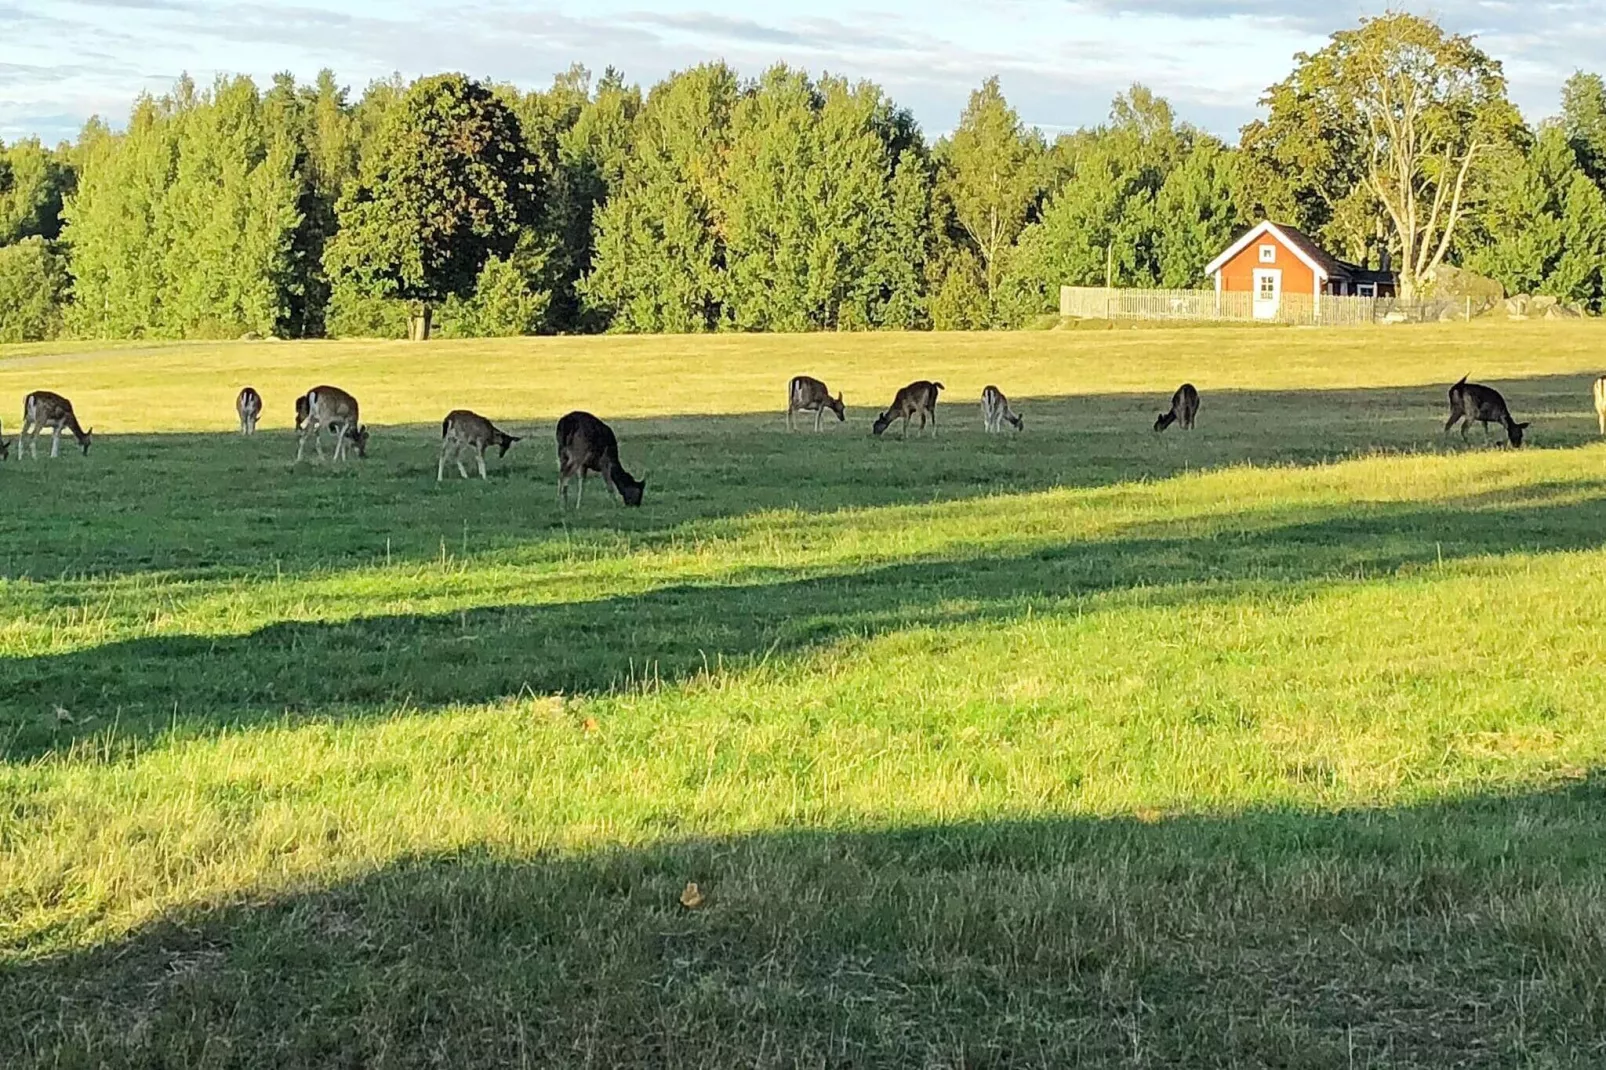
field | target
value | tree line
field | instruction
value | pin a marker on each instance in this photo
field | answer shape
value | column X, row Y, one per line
column 783, row 203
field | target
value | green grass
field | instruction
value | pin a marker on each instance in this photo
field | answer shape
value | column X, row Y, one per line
column 1277, row 744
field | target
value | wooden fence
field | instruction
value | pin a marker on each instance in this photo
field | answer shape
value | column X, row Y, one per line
column 1092, row 302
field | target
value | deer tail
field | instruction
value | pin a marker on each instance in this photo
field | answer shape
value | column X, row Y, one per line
column 939, row 386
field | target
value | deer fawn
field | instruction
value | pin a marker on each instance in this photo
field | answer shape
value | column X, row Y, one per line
column 42, row 409
column 807, row 394
column 917, row 399
column 1473, row 401
column 331, row 407
column 995, row 411
column 248, row 406
column 464, row 430
column 586, row 445
column 1600, row 404
column 1184, row 407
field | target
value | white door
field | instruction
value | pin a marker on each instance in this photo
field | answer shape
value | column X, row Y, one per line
column 1268, row 294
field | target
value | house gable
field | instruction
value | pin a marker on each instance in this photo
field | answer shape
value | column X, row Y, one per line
column 1269, row 233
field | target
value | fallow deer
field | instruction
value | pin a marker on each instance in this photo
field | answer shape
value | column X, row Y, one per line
column 42, row 409
column 807, row 394
column 917, row 399
column 331, row 407
column 1184, row 407
column 5, row 447
column 586, row 445
column 248, row 406
column 465, row 430
column 995, row 411
column 1600, row 403
column 1474, row 402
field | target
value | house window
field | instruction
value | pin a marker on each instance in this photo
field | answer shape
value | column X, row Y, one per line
column 1367, row 290
column 1268, row 287
column 1268, row 254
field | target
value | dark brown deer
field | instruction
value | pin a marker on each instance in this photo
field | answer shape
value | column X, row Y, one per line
column 1184, row 407
column 42, row 409
column 586, row 445
column 331, row 407
column 917, row 399
column 5, row 447
column 248, row 406
column 807, row 394
column 1474, row 402
column 465, row 430
column 995, row 411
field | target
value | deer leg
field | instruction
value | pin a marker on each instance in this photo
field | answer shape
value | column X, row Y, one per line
column 819, row 419
column 55, row 441
column 933, row 421
column 480, row 457
column 790, row 425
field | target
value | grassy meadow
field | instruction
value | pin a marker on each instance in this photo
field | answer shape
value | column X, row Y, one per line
column 1276, row 744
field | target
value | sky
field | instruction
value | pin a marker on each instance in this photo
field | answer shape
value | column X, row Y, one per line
column 1060, row 61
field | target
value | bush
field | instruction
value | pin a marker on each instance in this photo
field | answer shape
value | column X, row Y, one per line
column 33, row 291
column 353, row 314
column 504, row 303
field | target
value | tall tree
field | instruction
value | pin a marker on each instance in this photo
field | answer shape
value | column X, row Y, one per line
column 448, row 185
column 1415, row 113
column 991, row 177
column 33, row 290
column 1583, row 118
column 34, row 181
column 659, row 252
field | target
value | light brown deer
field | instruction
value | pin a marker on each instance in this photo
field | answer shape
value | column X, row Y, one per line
column 919, row 398
column 465, row 430
column 42, row 409
column 995, row 411
column 248, row 406
column 585, row 445
column 807, row 394
column 331, row 407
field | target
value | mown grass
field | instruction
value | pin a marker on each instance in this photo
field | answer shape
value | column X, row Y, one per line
column 1277, row 744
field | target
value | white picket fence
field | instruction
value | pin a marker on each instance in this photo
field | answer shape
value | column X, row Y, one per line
column 1094, row 302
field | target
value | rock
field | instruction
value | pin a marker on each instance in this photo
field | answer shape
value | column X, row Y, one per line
column 1539, row 304
column 1517, row 307
column 1560, row 311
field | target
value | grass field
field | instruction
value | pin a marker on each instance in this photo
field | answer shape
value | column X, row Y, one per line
column 1279, row 744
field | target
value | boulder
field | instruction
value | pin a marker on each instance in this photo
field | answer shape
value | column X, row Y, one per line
column 1539, row 304
column 1561, row 311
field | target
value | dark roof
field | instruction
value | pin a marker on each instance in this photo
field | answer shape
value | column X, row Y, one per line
column 1331, row 265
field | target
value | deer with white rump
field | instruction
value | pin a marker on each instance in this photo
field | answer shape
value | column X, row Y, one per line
column 995, row 412
column 248, row 406
column 331, row 407
column 42, row 409
column 807, row 394
column 465, row 430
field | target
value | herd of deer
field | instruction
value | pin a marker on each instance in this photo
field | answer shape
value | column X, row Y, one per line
column 586, row 444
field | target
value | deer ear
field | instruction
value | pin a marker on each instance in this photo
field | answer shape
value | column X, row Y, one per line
column 1523, row 427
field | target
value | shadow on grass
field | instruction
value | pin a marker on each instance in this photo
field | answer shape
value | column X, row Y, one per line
column 221, row 505
column 1466, row 933
column 369, row 666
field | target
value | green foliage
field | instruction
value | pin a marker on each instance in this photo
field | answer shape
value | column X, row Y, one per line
column 1544, row 228
column 990, row 178
column 659, row 255
column 447, row 185
column 506, row 299
column 33, row 291
column 1583, row 118
column 183, row 226
column 34, row 181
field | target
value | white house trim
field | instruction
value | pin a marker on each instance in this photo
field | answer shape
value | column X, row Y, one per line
column 1267, row 227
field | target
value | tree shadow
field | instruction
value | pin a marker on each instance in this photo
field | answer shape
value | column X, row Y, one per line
column 1461, row 933
column 370, row 665
column 194, row 506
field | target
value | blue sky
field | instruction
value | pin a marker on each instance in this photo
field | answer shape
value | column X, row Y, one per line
column 1060, row 60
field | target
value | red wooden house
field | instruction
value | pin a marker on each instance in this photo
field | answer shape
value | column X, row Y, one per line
column 1274, row 260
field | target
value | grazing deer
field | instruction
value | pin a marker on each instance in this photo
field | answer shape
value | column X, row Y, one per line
column 1600, row 404
column 42, row 409
column 5, row 447
column 1184, row 407
column 249, row 408
column 301, row 411
column 917, row 399
column 464, row 430
column 1473, row 401
column 331, row 407
column 995, row 411
column 586, row 445
column 807, row 394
